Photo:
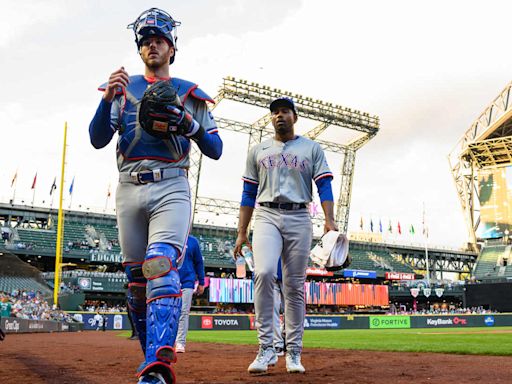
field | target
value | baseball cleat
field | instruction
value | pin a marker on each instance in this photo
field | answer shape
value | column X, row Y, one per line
column 293, row 364
column 180, row 348
column 266, row 357
column 152, row 378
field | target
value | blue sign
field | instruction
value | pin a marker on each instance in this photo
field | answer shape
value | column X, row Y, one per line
column 322, row 322
column 360, row 274
column 489, row 321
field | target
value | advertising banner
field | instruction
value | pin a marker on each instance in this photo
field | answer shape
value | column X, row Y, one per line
column 114, row 321
column 399, row 276
column 387, row 322
column 359, row 273
column 322, row 322
column 219, row 322
column 16, row 325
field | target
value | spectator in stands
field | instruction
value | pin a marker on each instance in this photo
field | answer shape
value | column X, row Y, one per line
column 191, row 270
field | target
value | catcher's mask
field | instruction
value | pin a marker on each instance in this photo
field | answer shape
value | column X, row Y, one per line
column 155, row 22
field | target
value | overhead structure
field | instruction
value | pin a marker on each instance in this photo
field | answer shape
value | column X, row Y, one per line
column 327, row 115
column 485, row 145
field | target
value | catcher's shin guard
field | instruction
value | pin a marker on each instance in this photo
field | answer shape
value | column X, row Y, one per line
column 136, row 297
column 163, row 293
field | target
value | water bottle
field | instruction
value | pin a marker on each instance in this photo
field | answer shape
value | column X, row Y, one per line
column 248, row 257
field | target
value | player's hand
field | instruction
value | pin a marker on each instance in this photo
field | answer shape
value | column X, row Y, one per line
column 240, row 241
column 199, row 290
column 183, row 121
column 118, row 79
column 330, row 225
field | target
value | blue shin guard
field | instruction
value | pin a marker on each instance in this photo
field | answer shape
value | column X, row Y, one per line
column 136, row 297
column 163, row 294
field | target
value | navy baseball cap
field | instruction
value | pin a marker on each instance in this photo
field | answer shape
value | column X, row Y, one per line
column 283, row 102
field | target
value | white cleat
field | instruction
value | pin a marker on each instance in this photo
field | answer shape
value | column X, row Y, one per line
column 180, row 348
column 266, row 357
column 293, row 364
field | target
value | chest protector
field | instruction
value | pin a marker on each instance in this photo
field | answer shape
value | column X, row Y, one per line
column 134, row 143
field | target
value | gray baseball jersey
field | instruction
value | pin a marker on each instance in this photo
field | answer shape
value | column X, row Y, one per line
column 284, row 171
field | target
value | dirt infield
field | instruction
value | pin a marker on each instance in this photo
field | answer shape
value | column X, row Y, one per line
column 97, row 357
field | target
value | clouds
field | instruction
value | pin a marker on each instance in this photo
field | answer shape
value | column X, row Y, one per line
column 426, row 69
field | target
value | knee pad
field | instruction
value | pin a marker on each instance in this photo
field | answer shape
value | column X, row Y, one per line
column 160, row 268
column 136, row 298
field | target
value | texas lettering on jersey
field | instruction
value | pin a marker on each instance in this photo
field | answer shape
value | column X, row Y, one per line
column 284, row 160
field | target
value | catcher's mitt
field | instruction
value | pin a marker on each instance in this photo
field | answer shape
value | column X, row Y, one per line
column 160, row 112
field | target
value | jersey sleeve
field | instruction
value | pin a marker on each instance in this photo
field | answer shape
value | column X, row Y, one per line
column 320, row 166
column 251, row 169
column 203, row 116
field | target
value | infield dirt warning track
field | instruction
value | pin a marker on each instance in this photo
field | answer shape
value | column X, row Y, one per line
column 97, row 357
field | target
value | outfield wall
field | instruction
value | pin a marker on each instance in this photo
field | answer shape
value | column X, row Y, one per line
column 119, row 321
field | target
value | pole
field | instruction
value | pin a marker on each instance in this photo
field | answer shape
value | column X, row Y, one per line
column 425, row 230
column 60, row 225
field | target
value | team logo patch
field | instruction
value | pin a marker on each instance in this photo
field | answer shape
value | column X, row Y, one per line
column 160, row 126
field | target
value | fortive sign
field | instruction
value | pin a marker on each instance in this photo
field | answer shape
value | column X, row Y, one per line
column 390, row 322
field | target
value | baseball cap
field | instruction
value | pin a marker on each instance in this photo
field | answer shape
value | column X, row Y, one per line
column 283, row 102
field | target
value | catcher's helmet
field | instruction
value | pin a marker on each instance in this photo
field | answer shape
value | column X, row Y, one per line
column 155, row 22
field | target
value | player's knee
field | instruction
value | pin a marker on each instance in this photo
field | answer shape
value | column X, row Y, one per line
column 266, row 277
column 160, row 269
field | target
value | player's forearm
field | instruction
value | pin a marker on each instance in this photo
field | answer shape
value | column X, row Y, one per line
column 199, row 267
column 210, row 145
column 245, row 218
column 328, row 208
column 100, row 131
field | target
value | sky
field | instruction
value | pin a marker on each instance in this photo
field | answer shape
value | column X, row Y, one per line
column 427, row 69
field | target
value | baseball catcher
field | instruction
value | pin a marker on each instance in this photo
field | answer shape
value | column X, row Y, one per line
column 156, row 117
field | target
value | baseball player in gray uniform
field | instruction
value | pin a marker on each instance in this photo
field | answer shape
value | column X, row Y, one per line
column 153, row 196
column 278, row 176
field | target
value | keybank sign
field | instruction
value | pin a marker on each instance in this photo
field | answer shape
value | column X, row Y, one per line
column 382, row 322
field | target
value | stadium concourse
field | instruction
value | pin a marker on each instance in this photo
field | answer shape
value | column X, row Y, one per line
column 92, row 272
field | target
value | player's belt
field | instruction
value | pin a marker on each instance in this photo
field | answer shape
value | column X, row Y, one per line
column 144, row 177
column 285, row 206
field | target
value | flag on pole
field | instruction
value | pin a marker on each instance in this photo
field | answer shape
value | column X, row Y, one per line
column 390, row 227
column 71, row 186
column 108, row 192
column 34, row 182
column 54, row 186
column 411, row 230
column 14, row 178
column 399, row 228
column 361, row 223
column 371, row 225
column 380, row 225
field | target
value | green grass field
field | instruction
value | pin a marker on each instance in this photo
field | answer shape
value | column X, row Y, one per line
column 478, row 341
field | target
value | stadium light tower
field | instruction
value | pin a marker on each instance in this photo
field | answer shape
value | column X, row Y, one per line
column 485, row 146
column 324, row 113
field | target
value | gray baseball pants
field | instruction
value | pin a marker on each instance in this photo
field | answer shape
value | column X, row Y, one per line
column 287, row 234
column 278, row 308
column 186, row 301
column 150, row 213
